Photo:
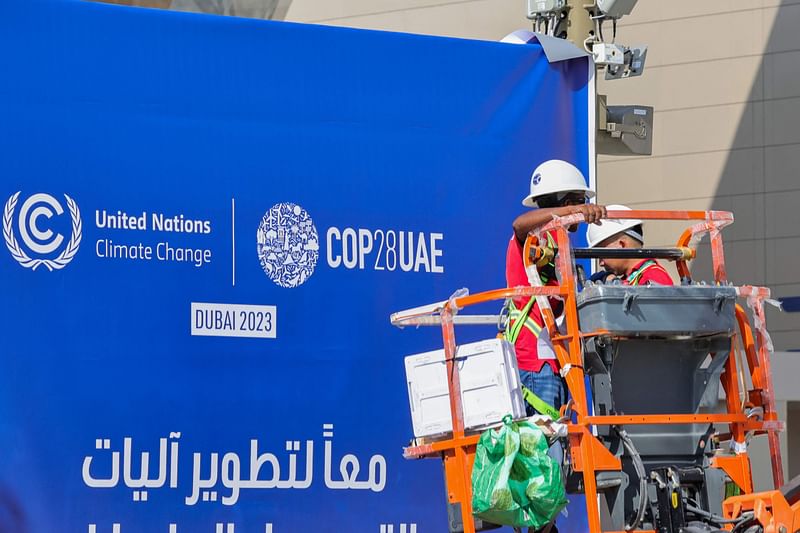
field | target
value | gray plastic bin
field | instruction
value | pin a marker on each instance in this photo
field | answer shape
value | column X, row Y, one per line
column 658, row 310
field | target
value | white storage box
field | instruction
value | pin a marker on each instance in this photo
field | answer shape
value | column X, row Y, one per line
column 490, row 387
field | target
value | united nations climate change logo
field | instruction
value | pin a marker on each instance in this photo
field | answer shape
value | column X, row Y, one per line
column 42, row 245
column 288, row 244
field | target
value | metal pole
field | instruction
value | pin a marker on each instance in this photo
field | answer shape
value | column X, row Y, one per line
column 633, row 253
column 580, row 26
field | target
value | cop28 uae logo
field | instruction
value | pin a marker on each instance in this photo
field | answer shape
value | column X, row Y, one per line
column 288, row 244
column 42, row 245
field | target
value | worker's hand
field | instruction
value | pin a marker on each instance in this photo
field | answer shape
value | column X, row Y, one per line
column 603, row 276
column 591, row 213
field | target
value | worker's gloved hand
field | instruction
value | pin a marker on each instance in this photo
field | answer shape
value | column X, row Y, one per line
column 602, row 276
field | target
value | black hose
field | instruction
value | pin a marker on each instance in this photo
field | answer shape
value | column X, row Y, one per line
column 638, row 465
column 716, row 518
column 744, row 525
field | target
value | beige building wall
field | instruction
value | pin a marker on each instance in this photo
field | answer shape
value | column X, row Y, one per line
column 472, row 19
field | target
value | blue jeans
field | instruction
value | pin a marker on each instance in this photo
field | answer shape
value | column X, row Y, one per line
column 545, row 384
column 548, row 386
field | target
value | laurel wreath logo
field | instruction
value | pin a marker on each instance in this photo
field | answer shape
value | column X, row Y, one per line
column 19, row 254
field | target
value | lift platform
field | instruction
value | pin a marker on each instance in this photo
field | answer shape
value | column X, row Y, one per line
column 644, row 447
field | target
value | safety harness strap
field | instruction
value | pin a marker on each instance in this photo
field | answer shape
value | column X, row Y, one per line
column 540, row 405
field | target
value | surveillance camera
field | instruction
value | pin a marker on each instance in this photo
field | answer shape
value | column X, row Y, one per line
column 624, row 129
column 545, row 7
column 608, row 54
column 630, row 64
column 616, row 8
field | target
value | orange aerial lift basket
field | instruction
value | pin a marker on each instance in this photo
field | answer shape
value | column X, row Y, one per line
column 749, row 397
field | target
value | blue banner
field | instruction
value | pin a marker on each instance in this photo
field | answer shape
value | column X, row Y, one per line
column 207, row 222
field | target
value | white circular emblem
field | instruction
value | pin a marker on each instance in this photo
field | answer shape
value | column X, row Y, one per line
column 288, row 244
column 39, row 239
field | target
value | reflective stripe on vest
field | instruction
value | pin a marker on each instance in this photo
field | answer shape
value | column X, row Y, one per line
column 514, row 323
column 634, row 277
column 519, row 318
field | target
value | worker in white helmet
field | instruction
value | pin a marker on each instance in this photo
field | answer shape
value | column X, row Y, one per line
column 625, row 233
column 556, row 188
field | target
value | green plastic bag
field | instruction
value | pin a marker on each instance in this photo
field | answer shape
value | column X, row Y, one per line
column 514, row 481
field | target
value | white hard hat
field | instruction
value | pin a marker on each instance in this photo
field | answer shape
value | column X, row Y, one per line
column 610, row 227
column 555, row 176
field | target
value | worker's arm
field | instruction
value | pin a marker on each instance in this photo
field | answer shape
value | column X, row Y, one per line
column 527, row 222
